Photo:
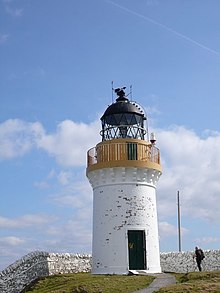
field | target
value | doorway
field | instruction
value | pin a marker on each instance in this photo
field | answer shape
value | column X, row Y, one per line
column 137, row 249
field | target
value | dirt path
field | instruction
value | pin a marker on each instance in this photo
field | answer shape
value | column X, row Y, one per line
column 162, row 280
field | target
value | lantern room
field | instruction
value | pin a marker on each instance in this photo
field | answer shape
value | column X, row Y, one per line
column 123, row 119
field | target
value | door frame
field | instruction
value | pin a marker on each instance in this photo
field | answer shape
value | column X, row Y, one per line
column 143, row 245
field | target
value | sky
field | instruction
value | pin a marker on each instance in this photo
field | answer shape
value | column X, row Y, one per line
column 57, row 62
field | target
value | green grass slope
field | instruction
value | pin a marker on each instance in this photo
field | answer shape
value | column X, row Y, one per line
column 197, row 282
column 87, row 283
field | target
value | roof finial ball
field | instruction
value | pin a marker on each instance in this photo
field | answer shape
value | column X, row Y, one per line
column 123, row 170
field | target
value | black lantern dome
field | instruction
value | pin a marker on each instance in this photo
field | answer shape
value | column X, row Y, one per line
column 123, row 119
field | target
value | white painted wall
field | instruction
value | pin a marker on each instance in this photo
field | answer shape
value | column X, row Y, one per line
column 123, row 199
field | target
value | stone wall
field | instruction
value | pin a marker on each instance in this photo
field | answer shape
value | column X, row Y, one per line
column 64, row 263
column 21, row 273
column 183, row 262
column 41, row 264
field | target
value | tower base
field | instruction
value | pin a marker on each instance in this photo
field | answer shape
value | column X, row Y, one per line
column 125, row 232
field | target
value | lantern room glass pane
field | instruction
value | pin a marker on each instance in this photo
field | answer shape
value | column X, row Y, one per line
column 123, row 119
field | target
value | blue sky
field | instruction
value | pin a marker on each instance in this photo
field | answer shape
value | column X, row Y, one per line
column 57, row 61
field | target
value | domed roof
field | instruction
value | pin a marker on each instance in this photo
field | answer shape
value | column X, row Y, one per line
column 122, row 105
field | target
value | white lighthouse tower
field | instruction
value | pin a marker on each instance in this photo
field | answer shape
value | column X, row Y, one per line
column 123, row 171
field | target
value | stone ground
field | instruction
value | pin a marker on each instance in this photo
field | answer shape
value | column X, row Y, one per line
column 162, row 280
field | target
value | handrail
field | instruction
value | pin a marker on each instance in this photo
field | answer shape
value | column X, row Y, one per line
column 109, row 152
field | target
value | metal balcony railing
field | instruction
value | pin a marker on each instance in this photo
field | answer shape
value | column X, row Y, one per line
column 110, row 152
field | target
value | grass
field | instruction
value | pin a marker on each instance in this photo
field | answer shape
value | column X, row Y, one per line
column 87, row 283
column 195, row 282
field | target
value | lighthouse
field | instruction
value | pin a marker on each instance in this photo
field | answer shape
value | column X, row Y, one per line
column 123, row 170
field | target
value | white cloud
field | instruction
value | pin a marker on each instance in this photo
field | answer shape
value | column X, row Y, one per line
column 52, row 174
column 73, row 201
column 68, row 145
column 76, row 195
column 192, row 165
column 70, row 142
column 63, row 177
column 167, row 230
column 206, row 240
column 18, row 137
column 25, row 221
column 11, row 240
column 74, row 235
column 41, row 185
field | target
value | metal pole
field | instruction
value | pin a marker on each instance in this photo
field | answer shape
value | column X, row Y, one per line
column 131, row 92
column 179, row 224
column 112, row 90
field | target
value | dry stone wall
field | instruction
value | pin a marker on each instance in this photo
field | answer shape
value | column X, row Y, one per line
column 64, row 263
column 40, row 264
column 24, row 271
column 183, row 262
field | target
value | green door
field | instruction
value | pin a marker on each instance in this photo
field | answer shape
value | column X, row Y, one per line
column 137, row 250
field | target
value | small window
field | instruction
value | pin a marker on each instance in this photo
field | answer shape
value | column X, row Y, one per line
column 132, row 151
